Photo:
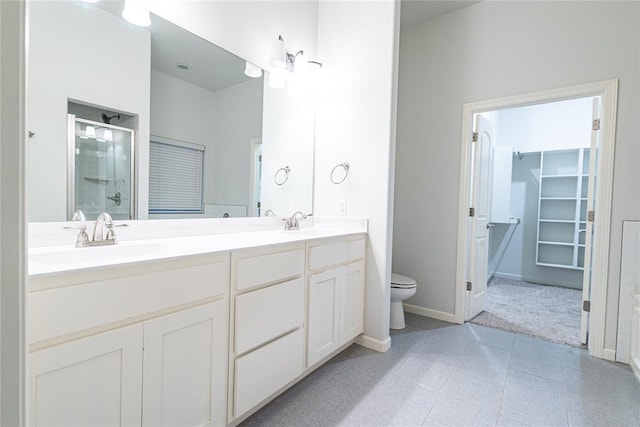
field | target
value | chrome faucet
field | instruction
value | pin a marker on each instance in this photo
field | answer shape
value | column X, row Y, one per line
column 292, row 223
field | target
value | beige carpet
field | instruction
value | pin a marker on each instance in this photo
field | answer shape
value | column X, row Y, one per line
column 548, row 312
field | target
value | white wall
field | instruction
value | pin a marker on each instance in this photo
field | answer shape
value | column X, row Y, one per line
column 13, row 347
column 288, row 141
column 551, row 126
column 492, row 50
column 355, row 122
column 99, row 60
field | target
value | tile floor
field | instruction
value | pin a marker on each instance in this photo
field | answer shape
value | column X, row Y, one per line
column 440, row 374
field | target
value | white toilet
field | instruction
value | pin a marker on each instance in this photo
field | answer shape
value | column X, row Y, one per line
column 402, row 287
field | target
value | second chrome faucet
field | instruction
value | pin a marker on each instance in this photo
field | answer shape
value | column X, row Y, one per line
column 103, row 234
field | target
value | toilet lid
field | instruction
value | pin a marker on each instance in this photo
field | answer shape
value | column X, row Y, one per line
column 398, row 280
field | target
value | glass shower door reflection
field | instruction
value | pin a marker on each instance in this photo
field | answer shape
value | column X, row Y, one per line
column 101, row 169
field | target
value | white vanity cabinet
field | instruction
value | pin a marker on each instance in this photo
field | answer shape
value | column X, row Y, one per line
column 144, row 345
column 335, row 295
column 267, row 323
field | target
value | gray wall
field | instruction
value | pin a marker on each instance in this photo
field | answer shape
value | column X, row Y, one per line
column 492, row 50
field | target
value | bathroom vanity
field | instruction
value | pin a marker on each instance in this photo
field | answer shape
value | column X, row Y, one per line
column 196, row 330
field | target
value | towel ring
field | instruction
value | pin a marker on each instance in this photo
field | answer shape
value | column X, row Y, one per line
column 282, row 175
column 345, row 166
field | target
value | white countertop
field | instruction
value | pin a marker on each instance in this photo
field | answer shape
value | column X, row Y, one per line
column 60, row 259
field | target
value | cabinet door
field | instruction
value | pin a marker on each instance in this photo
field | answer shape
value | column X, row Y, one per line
column 352, row 302
column 324, row 310
column 185, row 367
column 93, row 381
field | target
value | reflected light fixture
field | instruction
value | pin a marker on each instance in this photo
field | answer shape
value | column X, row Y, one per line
column 90, row 132
column 252, row 70
column 108, row 135
column 90, row 1
column 136, row 14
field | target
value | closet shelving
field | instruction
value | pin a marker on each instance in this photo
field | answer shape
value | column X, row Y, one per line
column 562, row 208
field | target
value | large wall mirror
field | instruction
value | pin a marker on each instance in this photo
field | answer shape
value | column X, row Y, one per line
column 208, row 138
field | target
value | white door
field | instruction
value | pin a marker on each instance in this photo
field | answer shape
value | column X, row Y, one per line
column 588, row 229
column 185, row 365
column 479, row 222
column 352, row 304
column 323, row 328
column 93, row 381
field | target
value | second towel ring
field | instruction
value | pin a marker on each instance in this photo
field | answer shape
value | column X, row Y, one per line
column 282, row 175
column 345, row 166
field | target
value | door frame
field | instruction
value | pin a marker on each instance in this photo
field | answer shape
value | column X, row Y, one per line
column 254, row 177
column 608, row 91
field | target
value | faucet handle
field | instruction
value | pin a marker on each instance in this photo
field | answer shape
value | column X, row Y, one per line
column 83, row 238
column 111, row 234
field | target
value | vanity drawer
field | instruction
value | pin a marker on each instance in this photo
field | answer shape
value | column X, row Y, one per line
column 267, row 313
column 330, row 254
column 252, row 271
column 266, row 370
column 124, row 295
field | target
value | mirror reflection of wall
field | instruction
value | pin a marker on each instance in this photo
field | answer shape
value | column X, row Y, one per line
column 81, row 53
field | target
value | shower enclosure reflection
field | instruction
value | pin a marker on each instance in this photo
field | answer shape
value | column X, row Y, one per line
column 101, row 159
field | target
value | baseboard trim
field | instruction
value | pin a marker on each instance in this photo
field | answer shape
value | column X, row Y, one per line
column 374, row 344
column 428, row 312
column 609, row 354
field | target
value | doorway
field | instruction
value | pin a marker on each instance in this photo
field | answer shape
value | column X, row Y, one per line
column 474, row 237
column 539, row 168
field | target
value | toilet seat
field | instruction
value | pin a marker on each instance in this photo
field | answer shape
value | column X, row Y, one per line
column 399, row 281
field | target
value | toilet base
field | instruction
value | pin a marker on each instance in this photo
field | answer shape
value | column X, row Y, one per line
column 396, row 320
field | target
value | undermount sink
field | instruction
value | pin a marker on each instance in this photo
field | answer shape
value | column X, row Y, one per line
column 79, row 256
column 303, row 232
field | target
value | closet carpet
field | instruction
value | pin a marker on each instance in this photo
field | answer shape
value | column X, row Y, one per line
column 548, row 312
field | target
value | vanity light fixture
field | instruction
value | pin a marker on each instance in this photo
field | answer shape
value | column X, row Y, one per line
column 108, row 135
column 252, row 70
column 286, row 66
column 136, row 14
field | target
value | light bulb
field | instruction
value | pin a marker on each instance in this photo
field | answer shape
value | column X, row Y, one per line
column 136, row 14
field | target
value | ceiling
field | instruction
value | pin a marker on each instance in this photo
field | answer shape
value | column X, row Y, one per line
column 416, row 11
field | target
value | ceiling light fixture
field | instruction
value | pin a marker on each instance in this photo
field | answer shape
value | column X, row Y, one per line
column 136, row 14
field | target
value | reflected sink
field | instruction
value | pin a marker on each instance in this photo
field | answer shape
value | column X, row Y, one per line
column 79, row 256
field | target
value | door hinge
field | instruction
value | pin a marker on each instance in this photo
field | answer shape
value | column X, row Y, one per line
column 472, row 211
column 591, row 216
column 474, row 137
column 596, row 124
column 260, row 158
column 469, row 286
column 586, row 306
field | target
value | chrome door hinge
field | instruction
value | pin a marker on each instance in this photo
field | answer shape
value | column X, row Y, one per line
column 474, row 137
column 596, row 124
column 591, row 216
column 469, row 286
column 586, row 306
column 472, row 211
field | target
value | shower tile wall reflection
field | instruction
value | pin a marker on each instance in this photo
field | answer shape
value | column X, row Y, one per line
column 102, row 169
